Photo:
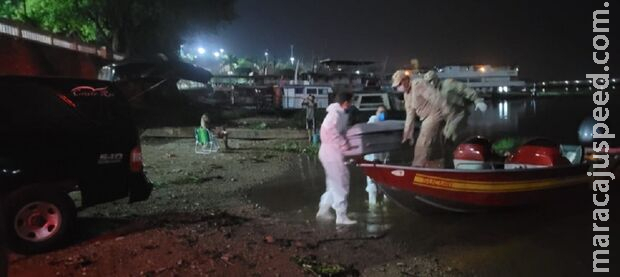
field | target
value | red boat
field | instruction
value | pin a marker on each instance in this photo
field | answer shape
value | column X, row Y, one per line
column 464, row 190
column 536, row 172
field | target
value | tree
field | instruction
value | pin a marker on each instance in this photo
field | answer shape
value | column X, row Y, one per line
column 245, row 66
column 229, row 63
column 53, row 16
column 127, row 26
column 284, row 65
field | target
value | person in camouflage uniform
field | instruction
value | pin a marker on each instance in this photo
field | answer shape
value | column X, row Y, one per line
column 457, row 97
column 422, row 101
column 441, row 107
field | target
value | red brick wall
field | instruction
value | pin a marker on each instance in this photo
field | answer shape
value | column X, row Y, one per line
column 24, row 57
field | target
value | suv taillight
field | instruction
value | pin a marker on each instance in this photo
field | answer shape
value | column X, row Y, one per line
column 135, row 160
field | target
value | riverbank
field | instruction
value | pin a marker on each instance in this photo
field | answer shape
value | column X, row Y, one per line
column 199, row 221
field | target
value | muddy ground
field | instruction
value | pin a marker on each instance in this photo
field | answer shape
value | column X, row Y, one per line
column 199, row 221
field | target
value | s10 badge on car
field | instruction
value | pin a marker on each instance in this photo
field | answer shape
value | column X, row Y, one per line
column 110, row 158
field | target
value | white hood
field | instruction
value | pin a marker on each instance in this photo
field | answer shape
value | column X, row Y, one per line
column 334, row 107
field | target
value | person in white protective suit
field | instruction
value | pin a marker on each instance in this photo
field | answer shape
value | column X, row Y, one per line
column 333, row 144
column 371, row 187
column 458, row 97
column 421, row 100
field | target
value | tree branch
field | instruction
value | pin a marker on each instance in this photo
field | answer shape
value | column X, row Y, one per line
column 92, row 17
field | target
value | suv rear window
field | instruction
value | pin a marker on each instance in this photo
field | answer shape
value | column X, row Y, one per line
column 38, row 105
column 27, row 106
column 97, row 103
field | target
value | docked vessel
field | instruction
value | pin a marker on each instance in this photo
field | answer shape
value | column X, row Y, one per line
column 484, row 78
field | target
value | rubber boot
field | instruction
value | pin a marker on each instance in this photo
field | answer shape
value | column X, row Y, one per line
column 371, row 189
column 343, row 219
column 372, row 198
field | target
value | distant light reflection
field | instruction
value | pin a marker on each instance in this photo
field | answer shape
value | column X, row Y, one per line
column 503, row 110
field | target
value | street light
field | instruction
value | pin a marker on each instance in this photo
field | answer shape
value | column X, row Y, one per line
column 216, row 54
column 201, row 50
column 221, row 50
column 292, row 60
column 266, row 61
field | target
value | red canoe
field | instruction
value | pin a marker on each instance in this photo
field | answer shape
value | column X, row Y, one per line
column 465, row 190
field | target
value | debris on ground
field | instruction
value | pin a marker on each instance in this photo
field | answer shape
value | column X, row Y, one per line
column 310, row 264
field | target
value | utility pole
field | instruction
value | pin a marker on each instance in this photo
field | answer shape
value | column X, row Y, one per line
column 266, row 60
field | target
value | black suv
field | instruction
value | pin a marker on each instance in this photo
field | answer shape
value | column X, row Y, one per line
column 58, row 136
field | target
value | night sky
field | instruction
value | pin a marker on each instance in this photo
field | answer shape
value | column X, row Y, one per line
column 547, row 39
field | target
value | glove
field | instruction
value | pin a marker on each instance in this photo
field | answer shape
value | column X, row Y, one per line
column 407, row 140
column 481, row 106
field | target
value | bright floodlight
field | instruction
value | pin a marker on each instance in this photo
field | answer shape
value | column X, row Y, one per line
column 221, row 50
column 216, row 54
column 292, row 60
column 201, row 50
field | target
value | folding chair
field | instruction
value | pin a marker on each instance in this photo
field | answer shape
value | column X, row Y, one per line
column 206, row 142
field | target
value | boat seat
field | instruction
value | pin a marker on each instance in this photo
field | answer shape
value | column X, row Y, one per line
column 573, row 153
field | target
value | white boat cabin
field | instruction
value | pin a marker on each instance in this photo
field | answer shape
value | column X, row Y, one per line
column 371, row 101
column 294, row 95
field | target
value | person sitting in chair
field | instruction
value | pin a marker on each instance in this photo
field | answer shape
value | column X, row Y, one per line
column 205, row 141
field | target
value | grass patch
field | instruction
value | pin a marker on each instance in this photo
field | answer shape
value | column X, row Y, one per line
column 298, row 147
column 311, row 265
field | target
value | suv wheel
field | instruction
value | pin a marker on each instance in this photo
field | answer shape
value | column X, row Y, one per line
column 38, row 220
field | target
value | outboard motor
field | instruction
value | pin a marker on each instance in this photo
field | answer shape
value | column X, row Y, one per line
column 537, row 153
column 473, row 154
column 586, row 131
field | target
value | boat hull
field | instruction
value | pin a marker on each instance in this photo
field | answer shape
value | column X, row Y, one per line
column 475, row 189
